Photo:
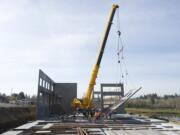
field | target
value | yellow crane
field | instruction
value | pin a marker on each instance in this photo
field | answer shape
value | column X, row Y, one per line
column 86, row 102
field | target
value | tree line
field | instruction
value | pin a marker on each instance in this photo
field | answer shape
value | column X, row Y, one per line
column 155, row 101
column 15, row 96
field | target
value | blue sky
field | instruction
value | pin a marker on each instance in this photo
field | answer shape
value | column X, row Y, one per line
column 62, row 38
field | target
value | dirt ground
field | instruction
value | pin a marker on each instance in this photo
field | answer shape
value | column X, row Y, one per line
column 11, row 117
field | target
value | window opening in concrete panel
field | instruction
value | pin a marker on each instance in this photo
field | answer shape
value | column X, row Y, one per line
column 97, row 95
column 40, row 94
column 48, row 86
column 111, row 89
column 44, row 83
column 52, row 87
column 110, row 100
column 40, row 82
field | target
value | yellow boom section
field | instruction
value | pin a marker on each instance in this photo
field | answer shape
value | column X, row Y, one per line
column 86, row 102
column 92, row 82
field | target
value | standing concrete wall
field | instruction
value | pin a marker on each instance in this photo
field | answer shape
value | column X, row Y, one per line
column 54, row 98
column 44, row 95
column 68, row 92
column 102, row 94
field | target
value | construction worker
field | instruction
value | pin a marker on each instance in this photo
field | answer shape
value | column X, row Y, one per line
column 97, row 114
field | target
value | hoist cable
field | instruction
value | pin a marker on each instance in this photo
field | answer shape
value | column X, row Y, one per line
column 119, row 73
column 119, row 66
column 125, row 78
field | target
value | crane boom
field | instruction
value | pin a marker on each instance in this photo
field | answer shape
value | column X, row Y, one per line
column 92, row 81
column 86, row 101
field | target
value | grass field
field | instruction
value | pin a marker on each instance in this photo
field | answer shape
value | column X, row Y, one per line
column 154, row 112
